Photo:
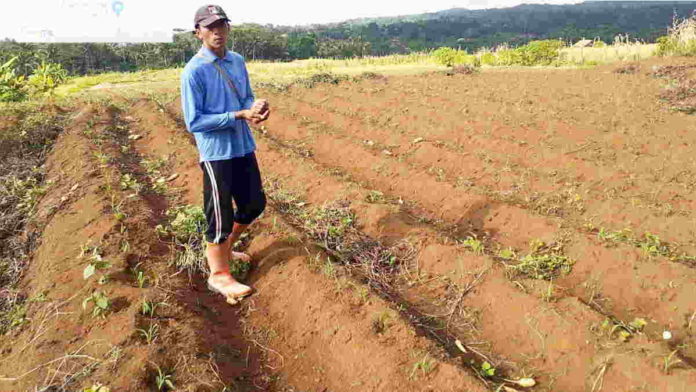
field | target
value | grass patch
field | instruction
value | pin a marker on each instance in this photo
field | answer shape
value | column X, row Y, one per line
column 185, row 228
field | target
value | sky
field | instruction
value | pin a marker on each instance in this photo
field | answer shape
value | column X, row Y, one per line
column 143, row 20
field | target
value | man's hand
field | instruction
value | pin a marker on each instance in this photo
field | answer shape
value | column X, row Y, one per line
column 261, row 111
column 259, row 106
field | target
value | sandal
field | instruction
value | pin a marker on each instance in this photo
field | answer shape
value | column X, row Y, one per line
column 230, row 298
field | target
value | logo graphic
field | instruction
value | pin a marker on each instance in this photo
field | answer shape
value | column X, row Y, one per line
column 117, row 6
column 213, row 9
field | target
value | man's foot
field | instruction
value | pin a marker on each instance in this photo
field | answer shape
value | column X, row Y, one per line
column 241, row 257
column 223, row 283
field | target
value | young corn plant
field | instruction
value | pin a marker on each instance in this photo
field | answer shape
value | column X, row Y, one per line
column 150, row 307
column 163, row 380
column 424, row 366
column 100, row 303
column 149, row 334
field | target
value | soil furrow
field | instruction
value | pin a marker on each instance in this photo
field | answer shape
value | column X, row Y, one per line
column 597, row 267
column 646, row 291
column 451, row 261
column 508, row 178
column 389, row 104
column 305, row 350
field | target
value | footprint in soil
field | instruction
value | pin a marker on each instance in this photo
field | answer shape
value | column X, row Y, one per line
column 273, row 254
column 119, row 303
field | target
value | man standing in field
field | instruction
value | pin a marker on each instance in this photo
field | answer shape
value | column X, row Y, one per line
column 217, row 102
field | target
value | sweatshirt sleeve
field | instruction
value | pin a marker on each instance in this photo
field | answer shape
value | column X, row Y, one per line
column 192, row 97
column 248, row 92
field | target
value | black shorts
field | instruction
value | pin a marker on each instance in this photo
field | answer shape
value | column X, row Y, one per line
column 235, row 179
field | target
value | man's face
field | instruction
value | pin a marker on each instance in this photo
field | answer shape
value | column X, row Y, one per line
column 214, row 36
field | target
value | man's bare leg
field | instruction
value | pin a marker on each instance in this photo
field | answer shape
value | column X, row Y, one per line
column 218, row 256
column 237, row 230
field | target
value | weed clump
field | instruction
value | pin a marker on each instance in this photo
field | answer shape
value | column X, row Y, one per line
column 544, row 261
column 185, row 227
column 628, row 69
column 333, row 226
column 320, row 78
column 466, row 69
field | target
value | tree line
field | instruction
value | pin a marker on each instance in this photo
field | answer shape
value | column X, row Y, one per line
column 456, row 28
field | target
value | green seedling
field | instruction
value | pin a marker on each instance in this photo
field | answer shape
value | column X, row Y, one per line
column 119, row 215
column 149, row 308
column 615, row 236
column 375, row 197
column 425, row 366
column 239, row 268
column 140, row 277
column 128, row 182
column 150, row 334
column 543, row 262
column 102, row 158
column 653, row 246
column 623, row 331
column 669, row 361
column 96, row 261
column 487, row 370
column 381, row 321
column 163, row 380
column 159, row 185
column 507, row 254
column 100, row 302
column 474, row 244
column 154, row 166
column 329, row 269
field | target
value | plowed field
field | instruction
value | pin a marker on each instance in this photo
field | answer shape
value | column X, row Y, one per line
column 424, row 233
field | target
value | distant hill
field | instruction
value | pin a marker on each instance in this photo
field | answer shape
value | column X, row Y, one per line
column 644, row 20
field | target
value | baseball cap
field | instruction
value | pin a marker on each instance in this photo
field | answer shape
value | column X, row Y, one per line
column 209, row 14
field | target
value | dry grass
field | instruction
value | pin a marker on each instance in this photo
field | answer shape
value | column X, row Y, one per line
column 621, row 51
column 23, row 147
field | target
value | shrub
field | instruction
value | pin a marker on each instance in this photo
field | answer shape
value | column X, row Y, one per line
column 451, row 57
column 540, row 52
column 681, row 40
column 11, row 85
column 488, row 58
column 46, row 77
column 508, row 57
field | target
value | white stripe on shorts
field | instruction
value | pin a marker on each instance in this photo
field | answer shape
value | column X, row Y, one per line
column 216, row 203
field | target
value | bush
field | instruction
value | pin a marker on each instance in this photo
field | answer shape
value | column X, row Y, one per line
column 681, row 40
column 11, row 85
column 488, row 58
column 540, row 52
column 451, row 57
column 46, row 77
column 508, row 57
